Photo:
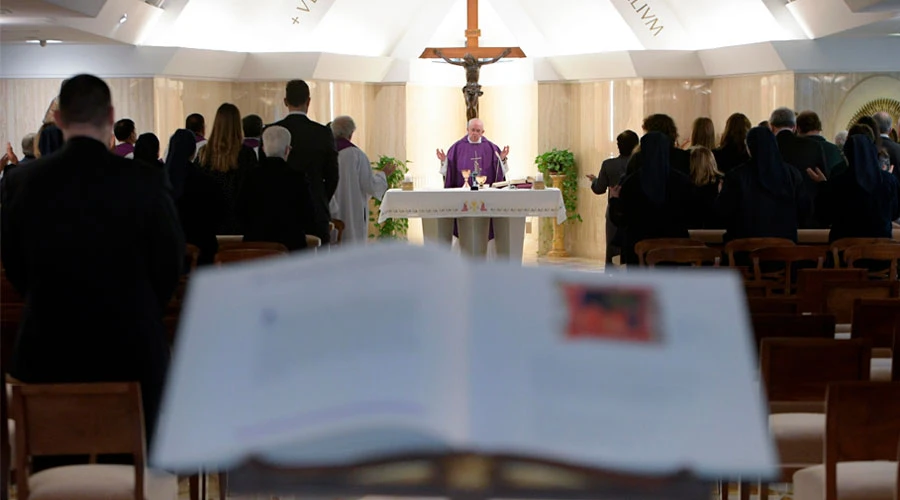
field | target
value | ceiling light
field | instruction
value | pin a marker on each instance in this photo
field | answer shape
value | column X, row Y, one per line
column 42, row 42
column 123, row 18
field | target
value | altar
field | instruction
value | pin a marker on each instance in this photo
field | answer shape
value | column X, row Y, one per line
column 474, row 211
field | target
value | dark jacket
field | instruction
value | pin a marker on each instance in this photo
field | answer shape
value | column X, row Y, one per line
column 273, row 206
column 93, row 243
column 804, row 153
column 313, row 153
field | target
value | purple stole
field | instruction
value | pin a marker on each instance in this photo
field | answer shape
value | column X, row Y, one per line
column 123, row 149
column 342, row 144
column 251, row 143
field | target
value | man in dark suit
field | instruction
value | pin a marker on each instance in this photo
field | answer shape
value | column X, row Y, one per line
column 312, row 153
column 612, row 171
column 885, row 122
column 810, row 126
column 93, row 243
column 268, row 204
column 802, row 153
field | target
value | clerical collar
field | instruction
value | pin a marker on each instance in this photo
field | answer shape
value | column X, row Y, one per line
column 470, row 140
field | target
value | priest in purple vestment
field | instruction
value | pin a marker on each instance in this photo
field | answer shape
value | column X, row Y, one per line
column 473, row 152
column 126, row 136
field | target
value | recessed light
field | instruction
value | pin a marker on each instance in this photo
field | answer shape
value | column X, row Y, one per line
column 43, row 42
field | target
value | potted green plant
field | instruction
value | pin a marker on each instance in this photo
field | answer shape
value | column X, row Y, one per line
column 391, row 228
column 560, row 171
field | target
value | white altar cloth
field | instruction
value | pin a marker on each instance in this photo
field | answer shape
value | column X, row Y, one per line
column 475, row 210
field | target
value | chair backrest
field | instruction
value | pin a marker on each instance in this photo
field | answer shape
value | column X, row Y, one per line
column 747, row 245
column 772, row 305
column 800, row 369
column 862, row 423
column 642, row 247
column 241, row 254
column 882, row 252
column 78, row 419
column 192, row 254
column 809, row 285
column 838, row 297
column 253, row 245
column 875, row 320
column 789, row 256
column 313, row 242
column 837, row 247
column 696, row 256
column 337, row 231
column 810, row 326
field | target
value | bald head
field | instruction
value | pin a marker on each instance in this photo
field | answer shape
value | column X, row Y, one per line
column 475, row 129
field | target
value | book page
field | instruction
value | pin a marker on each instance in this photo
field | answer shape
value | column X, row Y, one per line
column 321, row 359
column 640, row 372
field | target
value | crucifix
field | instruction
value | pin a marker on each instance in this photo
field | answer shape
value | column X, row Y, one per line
column 472, row 58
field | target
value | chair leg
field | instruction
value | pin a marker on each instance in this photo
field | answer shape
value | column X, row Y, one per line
column 223, row 486
column 763, row 490
column 745, row 490
column 723, row 490
column 194, row 487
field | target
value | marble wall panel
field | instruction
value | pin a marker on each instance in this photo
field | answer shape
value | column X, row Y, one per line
column 350, row 99
column 835, row 97
column 25, row 102
column 683, row 100
column 385, row 120
column 265, row 99
column 753, row 95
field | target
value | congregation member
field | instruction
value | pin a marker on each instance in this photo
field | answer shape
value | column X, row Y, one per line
column 810, row 126
column 680, row 159
column 703, row 134
column 706, row 182
column 885, row 124
column 199, row 200
column 732, row 150
column 764, row 197
column 650, row 202
column 474, row 152
column 225, row 159
column 253, row 126
column 93, row 243
column 884, row 156
column 197, row 124
column 861, row 200
column 146, row 149
column 801, row 153
column 126, row 136
column 273, row 203
column 357, row 185
column 313, row 153
column 28, row 148
column 611, row 173
column 840, row 138
column 50, row 139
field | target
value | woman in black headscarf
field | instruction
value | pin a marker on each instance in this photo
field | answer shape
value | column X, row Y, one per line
column 861, row 201
column 652, row 201
column 146, row 149
column 199, row 201
column 764, row 197
column 50, row 139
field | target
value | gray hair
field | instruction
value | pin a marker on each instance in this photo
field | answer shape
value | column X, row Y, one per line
column 275, row 140
column 884, row 122
column 343, row 127
column 840, row 138
column 472, row 122
column 783, row 118
column 28, row 144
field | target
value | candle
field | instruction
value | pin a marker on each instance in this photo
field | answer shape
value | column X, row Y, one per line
column 539, row 177
column 408, row 178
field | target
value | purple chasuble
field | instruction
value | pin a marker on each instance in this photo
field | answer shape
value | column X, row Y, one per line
column 123, row 149
column 465, row 155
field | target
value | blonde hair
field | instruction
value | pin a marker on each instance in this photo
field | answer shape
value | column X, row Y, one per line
column 703, row 166
column 224, row 145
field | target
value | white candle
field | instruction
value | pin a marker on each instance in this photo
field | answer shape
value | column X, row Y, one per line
column 408, row 178
column 539, row 177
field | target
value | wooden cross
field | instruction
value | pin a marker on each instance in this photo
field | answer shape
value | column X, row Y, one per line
column 472, row 47
column 472, row 58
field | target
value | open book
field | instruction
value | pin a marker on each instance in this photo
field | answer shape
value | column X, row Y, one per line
column 393, row 350
column 520, row 183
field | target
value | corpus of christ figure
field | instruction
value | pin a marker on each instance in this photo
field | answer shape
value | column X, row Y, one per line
column 472, row 90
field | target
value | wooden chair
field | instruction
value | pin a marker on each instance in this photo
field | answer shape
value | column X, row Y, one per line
column 736, row 248
column 642, row 247
column 242, row 254
column 191, row 255
column 875, row 320
column 313, row 242
column 838, row 297
column 882, row 252
column 772, row 305
column 862, row 428
column 253, row 245
column 337, row 231
column 837, row 247
column 696, row 256
column 85, row 419
column 790, row 256
column 809, row 285
column 808, row 326
column 795, row 375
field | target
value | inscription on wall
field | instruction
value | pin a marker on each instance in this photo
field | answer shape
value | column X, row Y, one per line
column 649, row 19
column 301, row 10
